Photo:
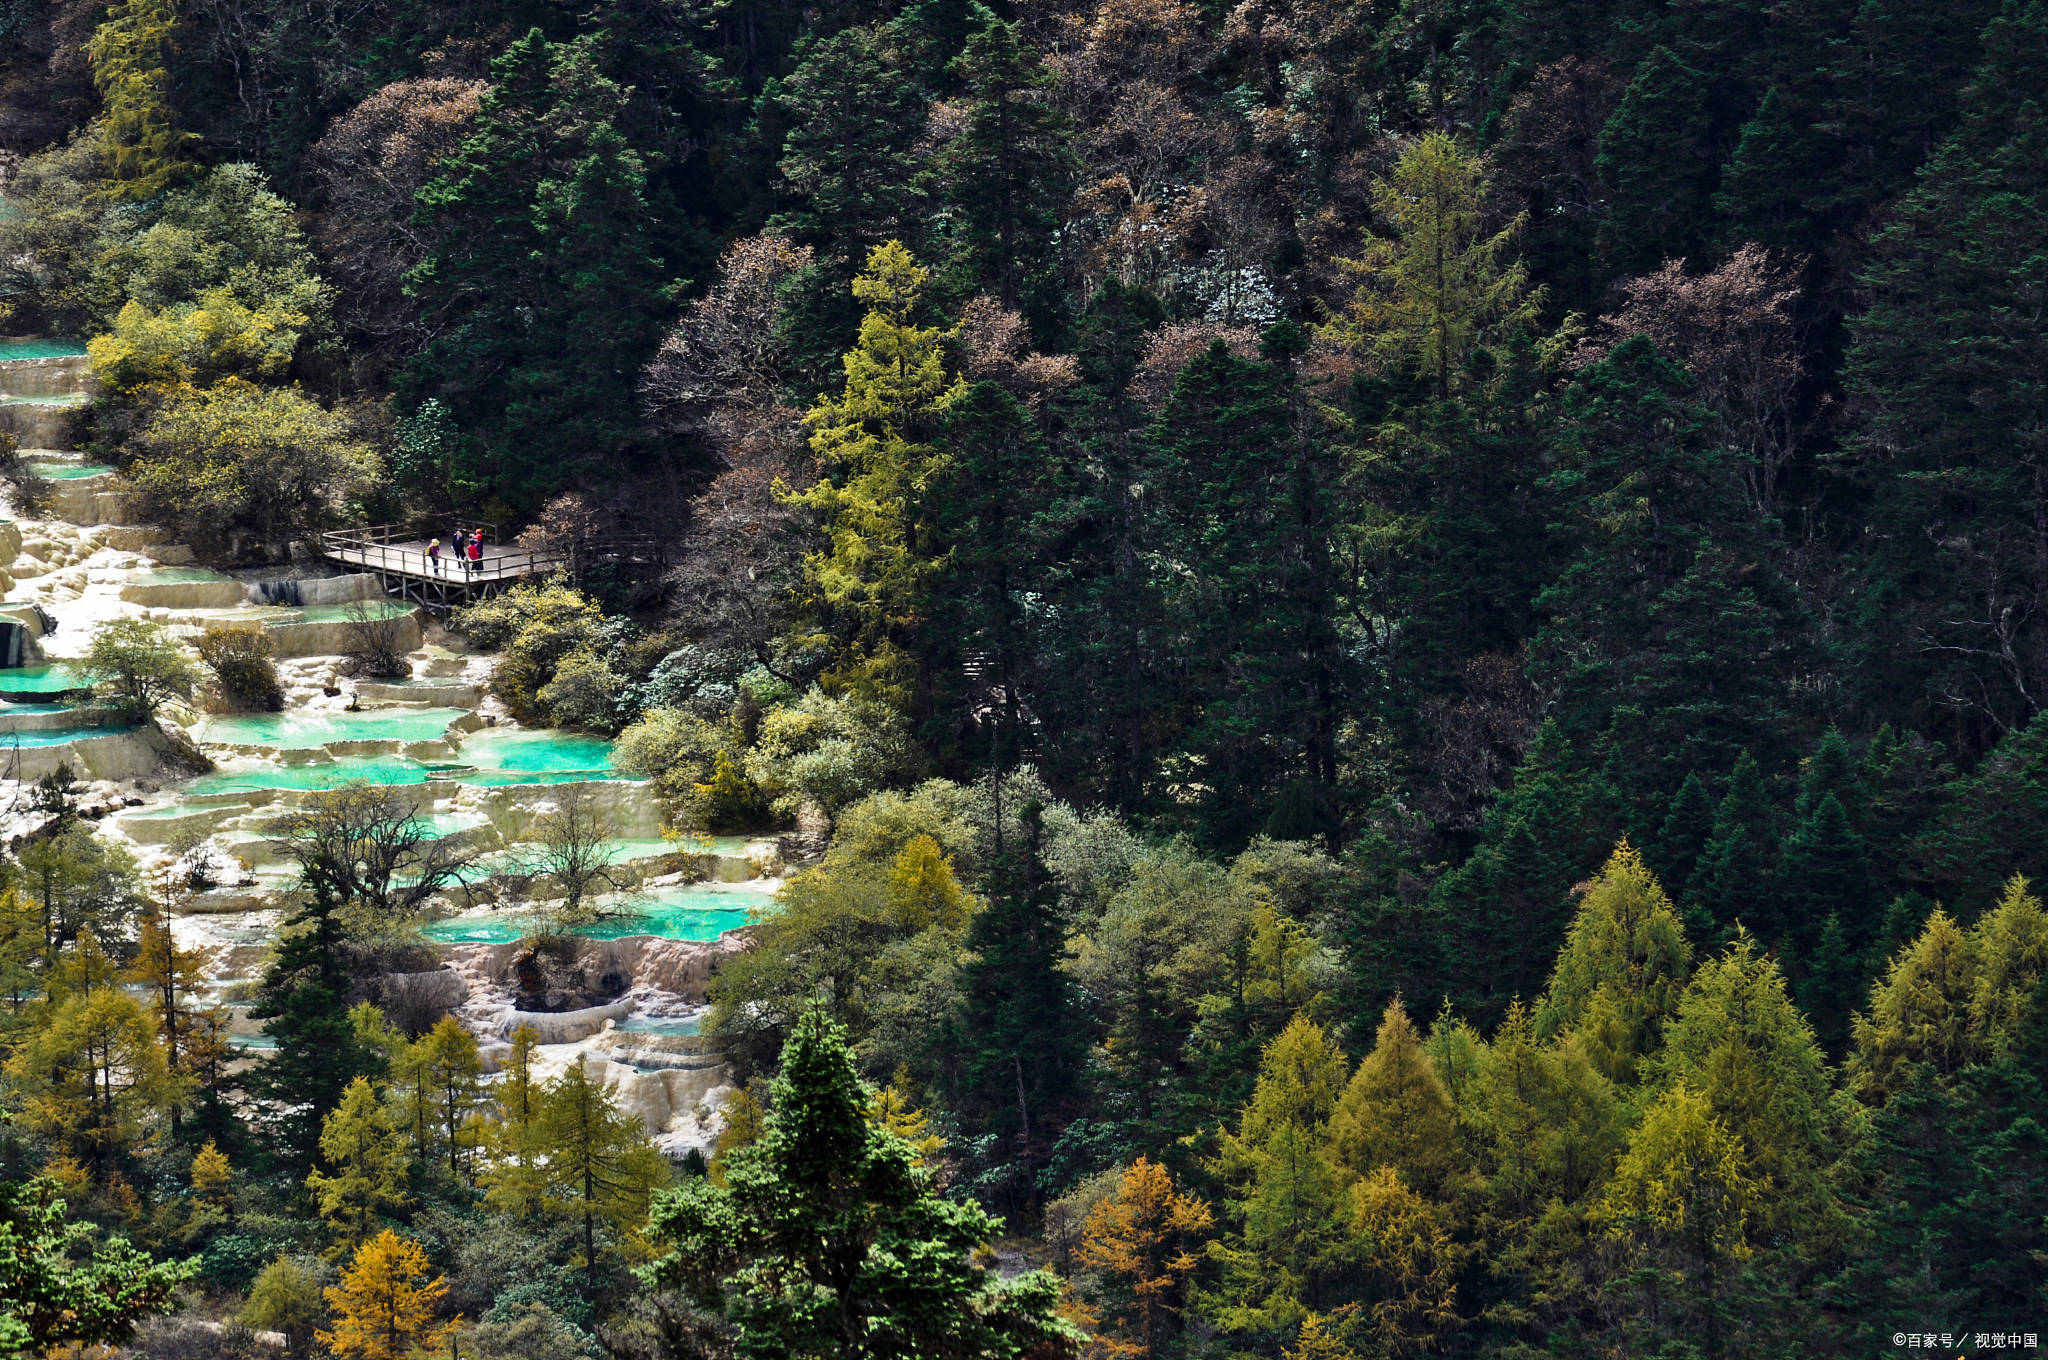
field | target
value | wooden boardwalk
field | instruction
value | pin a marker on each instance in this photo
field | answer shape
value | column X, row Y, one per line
column 400, row 561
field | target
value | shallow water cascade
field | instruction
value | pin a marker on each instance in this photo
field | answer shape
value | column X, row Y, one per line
column 478, row 781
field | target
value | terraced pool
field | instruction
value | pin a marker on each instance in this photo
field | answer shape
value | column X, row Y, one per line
column 39, row 349
column 694, row 911
column 299, row 729
column 42, row 679
column 59, row 736
column 67, row 472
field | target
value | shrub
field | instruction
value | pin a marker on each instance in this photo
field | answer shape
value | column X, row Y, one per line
column 137, row 667
column 584, row 693
column 236, row 461
column 535, row 629
column 243, row 667
column 832, row 751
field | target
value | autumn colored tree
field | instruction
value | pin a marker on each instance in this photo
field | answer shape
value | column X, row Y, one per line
column 1621, row 970
column 385, row 1304
column 512, row 1175
column 1141, row 1241
column 1442, row 285
column 1394, row 1110
column 93, row 1077
column 1282, row 1262
column 131, row 54
column 1738, row 1042
column 1684, row 1196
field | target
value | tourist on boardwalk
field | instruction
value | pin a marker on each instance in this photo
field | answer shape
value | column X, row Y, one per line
column 434, row 555
column 476, row 549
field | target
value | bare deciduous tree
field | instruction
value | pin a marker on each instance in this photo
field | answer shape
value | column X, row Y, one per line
column 722, row 362
column 367, row 845
column 371, row 164
column 1735, row 331
column 575, row 852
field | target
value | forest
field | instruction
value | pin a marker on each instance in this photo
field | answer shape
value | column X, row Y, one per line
column 1400, row 647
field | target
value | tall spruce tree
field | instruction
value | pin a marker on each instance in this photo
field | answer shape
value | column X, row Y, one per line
column 303, row 1002
column 1007, row 176
column 540, row 288
column 827, row 1238
column 1947, row 381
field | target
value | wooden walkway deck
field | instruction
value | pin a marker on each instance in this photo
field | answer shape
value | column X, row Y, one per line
column 400, row 561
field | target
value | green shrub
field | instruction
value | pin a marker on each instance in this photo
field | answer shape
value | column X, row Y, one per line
column 137, row 667
column 534, row 629
column 243, row 666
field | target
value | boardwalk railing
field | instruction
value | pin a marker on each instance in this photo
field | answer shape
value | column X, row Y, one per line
column 398, row 554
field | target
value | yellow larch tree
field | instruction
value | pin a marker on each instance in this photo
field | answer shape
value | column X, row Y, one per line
column 384, row 1305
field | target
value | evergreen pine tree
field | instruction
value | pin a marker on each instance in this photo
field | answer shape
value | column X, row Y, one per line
column 1688, row 825
column 827, row 1204
column 1657, row 160
column 1022, row 1030
column 1763, row 186
column 540, row 290
column 1825, row 872
column 848, row 160
column 1008, row 175
column 318, row 1052
column 1952, row 405
column 1734, row 870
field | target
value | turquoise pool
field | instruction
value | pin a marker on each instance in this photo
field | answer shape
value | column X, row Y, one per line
column 174, row 576
column 697, row 911
column 666, row 1026
column 39, row 349
column 68, row 472
column 298, row 730
column 57, row 736
column 8, row 706
column 327, row 775
column 341, row 613
column 42, row 679
column 521, row 751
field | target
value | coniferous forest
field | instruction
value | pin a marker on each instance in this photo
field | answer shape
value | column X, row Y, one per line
column 1395, row 652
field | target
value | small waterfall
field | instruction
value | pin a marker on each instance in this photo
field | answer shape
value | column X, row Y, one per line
column 17, row 645
column 280, row 592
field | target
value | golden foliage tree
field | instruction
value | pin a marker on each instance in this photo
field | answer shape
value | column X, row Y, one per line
column 384, row 1305
column 1440, row 284
column 1411, row 1259
column 1683, row 1197
column 131, row 54
column 923, row 891
column 92, row 1076
column 596, row 1163
column 1623, row 966
column 1919, row 1011
column 1141, row 1240
column 874, row 440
